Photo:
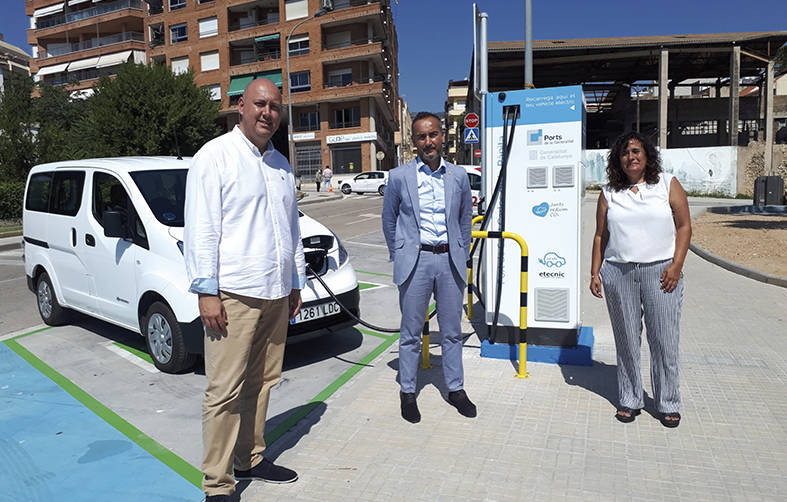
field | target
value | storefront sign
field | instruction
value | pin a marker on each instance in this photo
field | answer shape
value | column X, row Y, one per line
column 302, row 136
column 349, row 138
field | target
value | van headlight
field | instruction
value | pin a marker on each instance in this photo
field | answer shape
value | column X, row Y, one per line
column 343, row 255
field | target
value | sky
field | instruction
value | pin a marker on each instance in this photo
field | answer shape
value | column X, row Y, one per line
column 436, row 36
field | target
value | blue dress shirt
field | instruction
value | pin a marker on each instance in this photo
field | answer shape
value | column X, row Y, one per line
column 431, row 199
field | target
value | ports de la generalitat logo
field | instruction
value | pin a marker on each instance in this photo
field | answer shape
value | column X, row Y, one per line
column 535, row 137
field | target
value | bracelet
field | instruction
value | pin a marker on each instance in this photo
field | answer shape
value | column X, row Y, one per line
column 595, row 276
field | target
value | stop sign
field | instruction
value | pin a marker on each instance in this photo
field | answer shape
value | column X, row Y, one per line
column 477, row 154
column 471, row 120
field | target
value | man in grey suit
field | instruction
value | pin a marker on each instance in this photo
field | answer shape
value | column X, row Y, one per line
column 427, row 214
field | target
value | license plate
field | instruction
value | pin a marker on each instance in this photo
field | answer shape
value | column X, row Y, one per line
column 316, row 312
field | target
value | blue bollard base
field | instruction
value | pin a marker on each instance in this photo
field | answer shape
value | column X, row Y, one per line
column 579, row 355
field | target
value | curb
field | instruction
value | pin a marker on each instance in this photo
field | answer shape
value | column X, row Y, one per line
column 734, row 267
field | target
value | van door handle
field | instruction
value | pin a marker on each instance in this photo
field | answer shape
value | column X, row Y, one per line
column 90, row 240
column 73, row 237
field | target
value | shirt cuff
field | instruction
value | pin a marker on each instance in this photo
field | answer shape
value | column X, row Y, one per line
column 299, row 281
column 204, row 285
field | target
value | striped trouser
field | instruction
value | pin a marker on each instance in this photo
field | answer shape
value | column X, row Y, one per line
column 632, row 291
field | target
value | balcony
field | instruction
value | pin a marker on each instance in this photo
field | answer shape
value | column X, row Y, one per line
column 255, row 50
column 346, row 4
column 79, row 15
column 259, row 13
column 346, row 81
column 349, row 43
column 53, row 50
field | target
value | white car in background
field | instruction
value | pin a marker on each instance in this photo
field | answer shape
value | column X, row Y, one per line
column 367, row 182
column 474, row 175
column 105, row 237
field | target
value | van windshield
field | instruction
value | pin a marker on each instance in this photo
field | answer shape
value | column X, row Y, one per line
column 165, row 193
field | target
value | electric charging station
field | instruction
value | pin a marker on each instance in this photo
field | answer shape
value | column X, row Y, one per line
column 534, row 139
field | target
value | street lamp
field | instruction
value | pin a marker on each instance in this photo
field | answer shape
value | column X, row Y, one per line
column 327, row 6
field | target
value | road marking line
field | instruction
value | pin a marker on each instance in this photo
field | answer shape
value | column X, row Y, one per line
column 369, row 216
column 369, row 286
column 24, row 332
column 373, row 273
column 132, row 358
column 13, row 263
column 365, row 244
column 12, row 280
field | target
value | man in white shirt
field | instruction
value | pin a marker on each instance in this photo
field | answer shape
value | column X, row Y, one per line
column 245, row 260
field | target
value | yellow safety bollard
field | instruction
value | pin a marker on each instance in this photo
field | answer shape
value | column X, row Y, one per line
column 477, row 234
column 425, row 365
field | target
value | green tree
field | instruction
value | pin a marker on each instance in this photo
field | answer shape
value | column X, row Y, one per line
column 146, row 110
column 17, row 128
column 57, row 115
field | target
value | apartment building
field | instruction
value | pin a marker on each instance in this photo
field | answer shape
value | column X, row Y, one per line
column 454, row 115
column 12, row 60
column 76, row 41
column 343, row 70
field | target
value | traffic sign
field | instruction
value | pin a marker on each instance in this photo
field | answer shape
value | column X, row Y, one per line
column 471, row 120
column 477, row 154
column 471, row 135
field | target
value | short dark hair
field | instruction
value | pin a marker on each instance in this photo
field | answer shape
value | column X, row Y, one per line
column 424, row 115
column 615, row 175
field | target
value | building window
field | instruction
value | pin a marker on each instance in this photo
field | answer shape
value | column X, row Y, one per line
column 308, row 121
column 300, row 81
column 208, row 27
column 299, row 44
column 308, row 159
column 176, row 4
column 209, row 60
column 156, row 34
column 697, row 127
column 215, row 92
column 178, row 33
column 346, row 159
column 180, row 65
column 338, row 40
column 340, row 78
column 296, row 9
column 204, row 1
column 347, row 117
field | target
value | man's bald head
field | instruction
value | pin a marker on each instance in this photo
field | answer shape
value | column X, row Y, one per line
column 260, row 111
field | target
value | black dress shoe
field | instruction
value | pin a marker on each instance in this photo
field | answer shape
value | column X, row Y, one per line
column 409, row 407
column 269, row 472
column 462, row 403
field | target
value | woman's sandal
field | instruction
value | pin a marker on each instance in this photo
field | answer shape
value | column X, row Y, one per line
column 670, row 423
column 627, row 419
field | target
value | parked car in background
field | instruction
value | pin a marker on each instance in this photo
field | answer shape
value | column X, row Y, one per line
column 105, row 237
column 474, row 175
column 370, row 181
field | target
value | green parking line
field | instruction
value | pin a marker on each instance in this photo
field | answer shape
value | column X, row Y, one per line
column 165, row 456
column 137, row 352
column 296, row 417
column 374, row 273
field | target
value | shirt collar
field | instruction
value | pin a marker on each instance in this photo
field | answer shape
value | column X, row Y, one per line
column 421, row 165
column 252, row 146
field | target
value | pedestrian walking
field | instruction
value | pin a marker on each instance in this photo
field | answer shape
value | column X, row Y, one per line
column 244, row 258
column 327, row 174
column 426, row 220
column 643, row 230
column 318, row 178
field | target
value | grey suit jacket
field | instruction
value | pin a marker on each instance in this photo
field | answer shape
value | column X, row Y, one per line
column 401, row 218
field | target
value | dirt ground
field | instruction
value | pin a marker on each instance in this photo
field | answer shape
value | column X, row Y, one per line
column 758, row 242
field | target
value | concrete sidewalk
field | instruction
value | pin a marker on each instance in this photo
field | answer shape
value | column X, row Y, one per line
column 553, row 436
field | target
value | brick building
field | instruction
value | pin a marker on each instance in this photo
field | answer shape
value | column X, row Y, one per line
column 343, row 79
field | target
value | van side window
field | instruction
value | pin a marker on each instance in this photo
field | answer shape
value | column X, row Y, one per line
column 37, row 198
column 67, row 192
column 110, row 195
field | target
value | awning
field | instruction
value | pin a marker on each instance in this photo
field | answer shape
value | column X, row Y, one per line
column 266, row 38
column 76, row 2
column 51, row 70
column 49, row 9
column 272, row 75
column 139, row 57
column 238, row 85
column 83, row 63
column 113, row 59
column 82, row 94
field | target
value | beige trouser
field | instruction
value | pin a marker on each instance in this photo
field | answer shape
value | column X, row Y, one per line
column 241, row 368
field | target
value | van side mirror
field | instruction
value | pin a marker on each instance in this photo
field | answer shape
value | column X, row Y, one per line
column 113, row 224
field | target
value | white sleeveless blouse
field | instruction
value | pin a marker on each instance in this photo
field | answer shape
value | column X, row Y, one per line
column 641, row 228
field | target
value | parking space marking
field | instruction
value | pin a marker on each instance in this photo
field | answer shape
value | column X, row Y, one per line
column 366, row 244
column 13, row 279
column 381, row 274
column 13, row 263
column 368, row 286
column 132, row 355
column 164, row 455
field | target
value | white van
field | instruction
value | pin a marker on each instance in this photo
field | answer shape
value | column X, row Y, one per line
column 474, row 174
column 105, row 237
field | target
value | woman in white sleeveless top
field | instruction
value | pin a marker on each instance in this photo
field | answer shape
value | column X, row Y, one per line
column 643, row 229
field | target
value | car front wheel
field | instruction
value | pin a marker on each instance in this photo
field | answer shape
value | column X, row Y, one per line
column 346, row 190
column 164, row 339
column 49, row 308
column 381, row 190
